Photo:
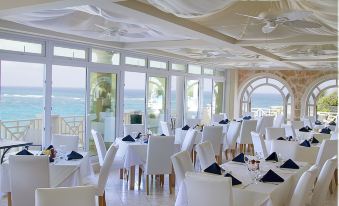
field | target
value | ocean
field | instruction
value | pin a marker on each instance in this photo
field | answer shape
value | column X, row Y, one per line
column 27, row 103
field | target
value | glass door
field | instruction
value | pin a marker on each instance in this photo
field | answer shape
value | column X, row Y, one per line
column 102, row 108
column 192, row 98
column 156, row 102
column 218, row 97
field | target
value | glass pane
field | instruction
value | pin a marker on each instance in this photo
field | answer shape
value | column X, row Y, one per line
column 156, row 103
column 327, row 84
column 219, row 73
column 316, row 92
column 20, row 46
column 21, row 101
column 102, row 109
column 275, row 82
column 267, row 101
column 135, row 61
column 177, row 97
column 69, row 101
column 69, row 52
column 105, row 57
column 192, row 99
column 179, row 67
column 285, row 91
column 311, row 100
column 218, row 97
column 207, row 101
column 208, row 71
column 134, row 98
column 194, row 69
column 258, row 82
column 310, row 111
column 158, row 64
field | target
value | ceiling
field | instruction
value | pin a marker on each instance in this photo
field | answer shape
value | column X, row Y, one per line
column 226, row 38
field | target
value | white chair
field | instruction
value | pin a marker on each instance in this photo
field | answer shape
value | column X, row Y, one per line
column 287, row 149
column 263, row 123
column 83, row 195
column 205, row 189
column 181, row 164
column 216, row 118
column 259, row 144
column 158, row 160
column 67, row 143
column 192, row 122
column 34, row 136
column 274, row 133
column 296, row 125
column 307, row 154
column 301, row 191
column 314, row 170
column 129, row 129
column 334, row 136
column 245, row 138
column 27, row 173
column 289, row 131
column 278, row 121
column 213, row 134
column 189, row 140
column 308, row 122
column 166, row 128
column 323, row 182
column 205, row 154
column 328, row 149
column 230, row 139
column 100, row 182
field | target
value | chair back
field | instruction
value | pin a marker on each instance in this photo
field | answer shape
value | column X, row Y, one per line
column 323, row 182
column 130, row 128
column 274, row 133
column 213, row 134
column 104, row 170
column 165, row 128
column 193, row 122
column 205, row 154
column 67, row 143
column 301, row 191
column 263, row 123
column 189, row 140
column 232, row 135
column 205, row 189
column 334, row 136
column 278, row 121
column 83, row 195
column 217, row 117
column 27, row 173
column 100, row 146
column 287, row 149
column 289, row 131
column 247, row 127
column 308, row 122
column 259, row 144
column 182, row 163
column 33, row 135
column 307, row 154
column 328, row 149
column 159, row 152
column 296, row 125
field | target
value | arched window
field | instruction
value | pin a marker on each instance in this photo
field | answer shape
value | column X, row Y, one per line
column 318, row 92
column 280, row 93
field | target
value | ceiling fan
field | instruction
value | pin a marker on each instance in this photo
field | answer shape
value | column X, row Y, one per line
column 290, row 18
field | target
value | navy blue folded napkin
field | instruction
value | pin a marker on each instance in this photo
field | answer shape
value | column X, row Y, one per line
column 317, row 122
column 314, row 140
column 289, row 164
column 239, row 121
column 74, row 156
column 289, row 138
column 146, row 141
column 162, row 135
column 308, row 128
column 222, row 122
column 247, row 118
column 332, row 123
column 49, row 147
column 326, row 130
column 138, row 136
column 281, row 138
column 239, row 158
column 305, row 144
column 303, row 129
column 128, row 138
column 235, row 181
column 186, row 127
column 214, row 169
column 273, row 157
column 24, row 152
column 271, row 176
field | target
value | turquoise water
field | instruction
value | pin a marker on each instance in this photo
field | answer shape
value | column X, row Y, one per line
column 27, row 103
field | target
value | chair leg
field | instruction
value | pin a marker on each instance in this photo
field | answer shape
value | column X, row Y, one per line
column 336, row 176
column 101, row 200
column 162, row 179
column 104, row 198
column 170, row 183
column 195, row 157
column 121, row 174
column 9, row 198
column 147, row 184
column 233, row 153
column 139, row 179
column 226, row 155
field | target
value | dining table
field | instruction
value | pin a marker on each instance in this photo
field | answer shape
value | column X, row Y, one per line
column 257, row 193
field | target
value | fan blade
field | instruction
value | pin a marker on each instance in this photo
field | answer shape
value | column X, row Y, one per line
column 302, row 24
column 296, row 15
column 253, row 17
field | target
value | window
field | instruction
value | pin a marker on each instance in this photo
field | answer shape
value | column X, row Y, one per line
column 135, row 61
column 69, row 52
column 20, row 46
column 194, row 69
column 178, row 67
column 206, row 101
column 157, row 64
column 105, row 57
column 192, row 99
column 218, row 97
column 208, row 71
column 219, row 73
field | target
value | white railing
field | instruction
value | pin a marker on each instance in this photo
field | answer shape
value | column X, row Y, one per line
column 268, row 111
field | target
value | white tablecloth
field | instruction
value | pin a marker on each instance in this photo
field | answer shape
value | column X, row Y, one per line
column 63, row 173
column 263, row 194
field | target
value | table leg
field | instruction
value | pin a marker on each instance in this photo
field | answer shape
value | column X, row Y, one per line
column 9, row 198
column 131, row 177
